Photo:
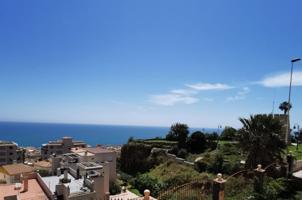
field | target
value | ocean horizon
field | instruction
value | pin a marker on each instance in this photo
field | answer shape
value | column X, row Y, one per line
column 36, row 133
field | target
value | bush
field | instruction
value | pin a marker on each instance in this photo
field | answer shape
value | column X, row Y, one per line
column 182, row 153
column 201, row 165
column 216, row 164
column 197, row 142
column 157, row 156
column 144, row 181
column 134, row 158
column 114, row 187
column 272, row 189
column 174, row 150
column 125, row 177
column 229, row 133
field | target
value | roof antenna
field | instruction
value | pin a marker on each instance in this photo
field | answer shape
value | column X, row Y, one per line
column 273, row 110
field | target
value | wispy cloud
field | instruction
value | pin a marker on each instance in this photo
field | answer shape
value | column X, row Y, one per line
column 171, row 99
column 282, row 80
column 208, row 99
column 241, row 95
column 187, row 95
column 209, row 86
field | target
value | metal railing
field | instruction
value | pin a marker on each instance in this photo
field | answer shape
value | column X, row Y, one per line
column 195, row 189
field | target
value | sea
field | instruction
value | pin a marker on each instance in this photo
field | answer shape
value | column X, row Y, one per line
column 36, row 134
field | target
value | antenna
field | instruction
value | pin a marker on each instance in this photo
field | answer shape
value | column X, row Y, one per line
column 273, row 110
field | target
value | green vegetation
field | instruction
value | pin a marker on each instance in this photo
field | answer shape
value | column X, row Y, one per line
column 229, row 134
column 134, row 158
column 295, row 152
column 258, row 141
column 115, row 187
column 260, row 138
column 179, row 132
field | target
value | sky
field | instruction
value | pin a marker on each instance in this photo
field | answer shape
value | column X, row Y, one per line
column 203, row 63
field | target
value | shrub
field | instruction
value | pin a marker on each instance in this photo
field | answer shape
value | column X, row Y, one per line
column 144, row 181
column 174, row 150
column 197, row 142
column 182, row 153
column 201, row 165
column 134, row 158
column 114, row 187
column 216, row 163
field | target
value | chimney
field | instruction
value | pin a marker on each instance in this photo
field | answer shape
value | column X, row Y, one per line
column 65, row 175
column 25, row 183
column 58, row 172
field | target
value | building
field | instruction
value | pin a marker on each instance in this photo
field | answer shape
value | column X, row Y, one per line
column 78, row 181
column 29, row 188
column 99, row 155
column 10, row 153
column 285, row 129
column 60, row 147
column 12, row 173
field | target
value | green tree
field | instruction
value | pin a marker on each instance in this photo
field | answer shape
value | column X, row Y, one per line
column 260, row 137
column 197, row 142
column 285, row 107
column 134, row 158
column 144, row 181
column 229, row 133
column 179, row 132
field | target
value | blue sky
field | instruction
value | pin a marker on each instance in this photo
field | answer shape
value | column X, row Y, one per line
column 155, row 62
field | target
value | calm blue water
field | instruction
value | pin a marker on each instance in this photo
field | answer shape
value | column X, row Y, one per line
column 35, row 134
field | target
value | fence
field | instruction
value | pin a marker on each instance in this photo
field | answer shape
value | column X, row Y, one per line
column 195, row 189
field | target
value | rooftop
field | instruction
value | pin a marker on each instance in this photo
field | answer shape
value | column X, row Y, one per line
column 96, row 150
column 34, row 192
column 75, row 185
column 15, row 169
column 2, row 142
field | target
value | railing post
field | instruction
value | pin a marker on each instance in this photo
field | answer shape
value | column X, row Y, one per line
column 218, row 187
column 258, row 182
column 290, row 164
column 147, row 195
column 107, row 196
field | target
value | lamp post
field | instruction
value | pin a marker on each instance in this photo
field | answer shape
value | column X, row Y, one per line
column 219, row 135
column 297, row 134
column 289, row 93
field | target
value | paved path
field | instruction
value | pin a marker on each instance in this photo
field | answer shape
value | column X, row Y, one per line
column 298, row 174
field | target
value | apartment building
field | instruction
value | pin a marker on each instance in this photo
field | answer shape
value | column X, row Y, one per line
column 99, row 155
column 10, row 153
column 60, row 147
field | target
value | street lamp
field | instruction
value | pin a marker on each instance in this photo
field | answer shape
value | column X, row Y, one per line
column 289, row 92
column 297, row 134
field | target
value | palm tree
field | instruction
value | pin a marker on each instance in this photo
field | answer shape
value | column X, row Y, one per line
column 285, row 107
column 260, row 137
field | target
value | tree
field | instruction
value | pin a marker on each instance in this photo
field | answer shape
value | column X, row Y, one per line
column 285, row 107
column 229, row 133
column 260, row 137
column 178, row 132
column 197, row 142
column 134, row 158
column 145, row 181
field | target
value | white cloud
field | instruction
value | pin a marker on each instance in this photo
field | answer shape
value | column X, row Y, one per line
column 172, row 99
column 209, row 86
column 208, row 99
column 186, row 95
column 184, row 92
column 241, row 95
column 282, row 80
